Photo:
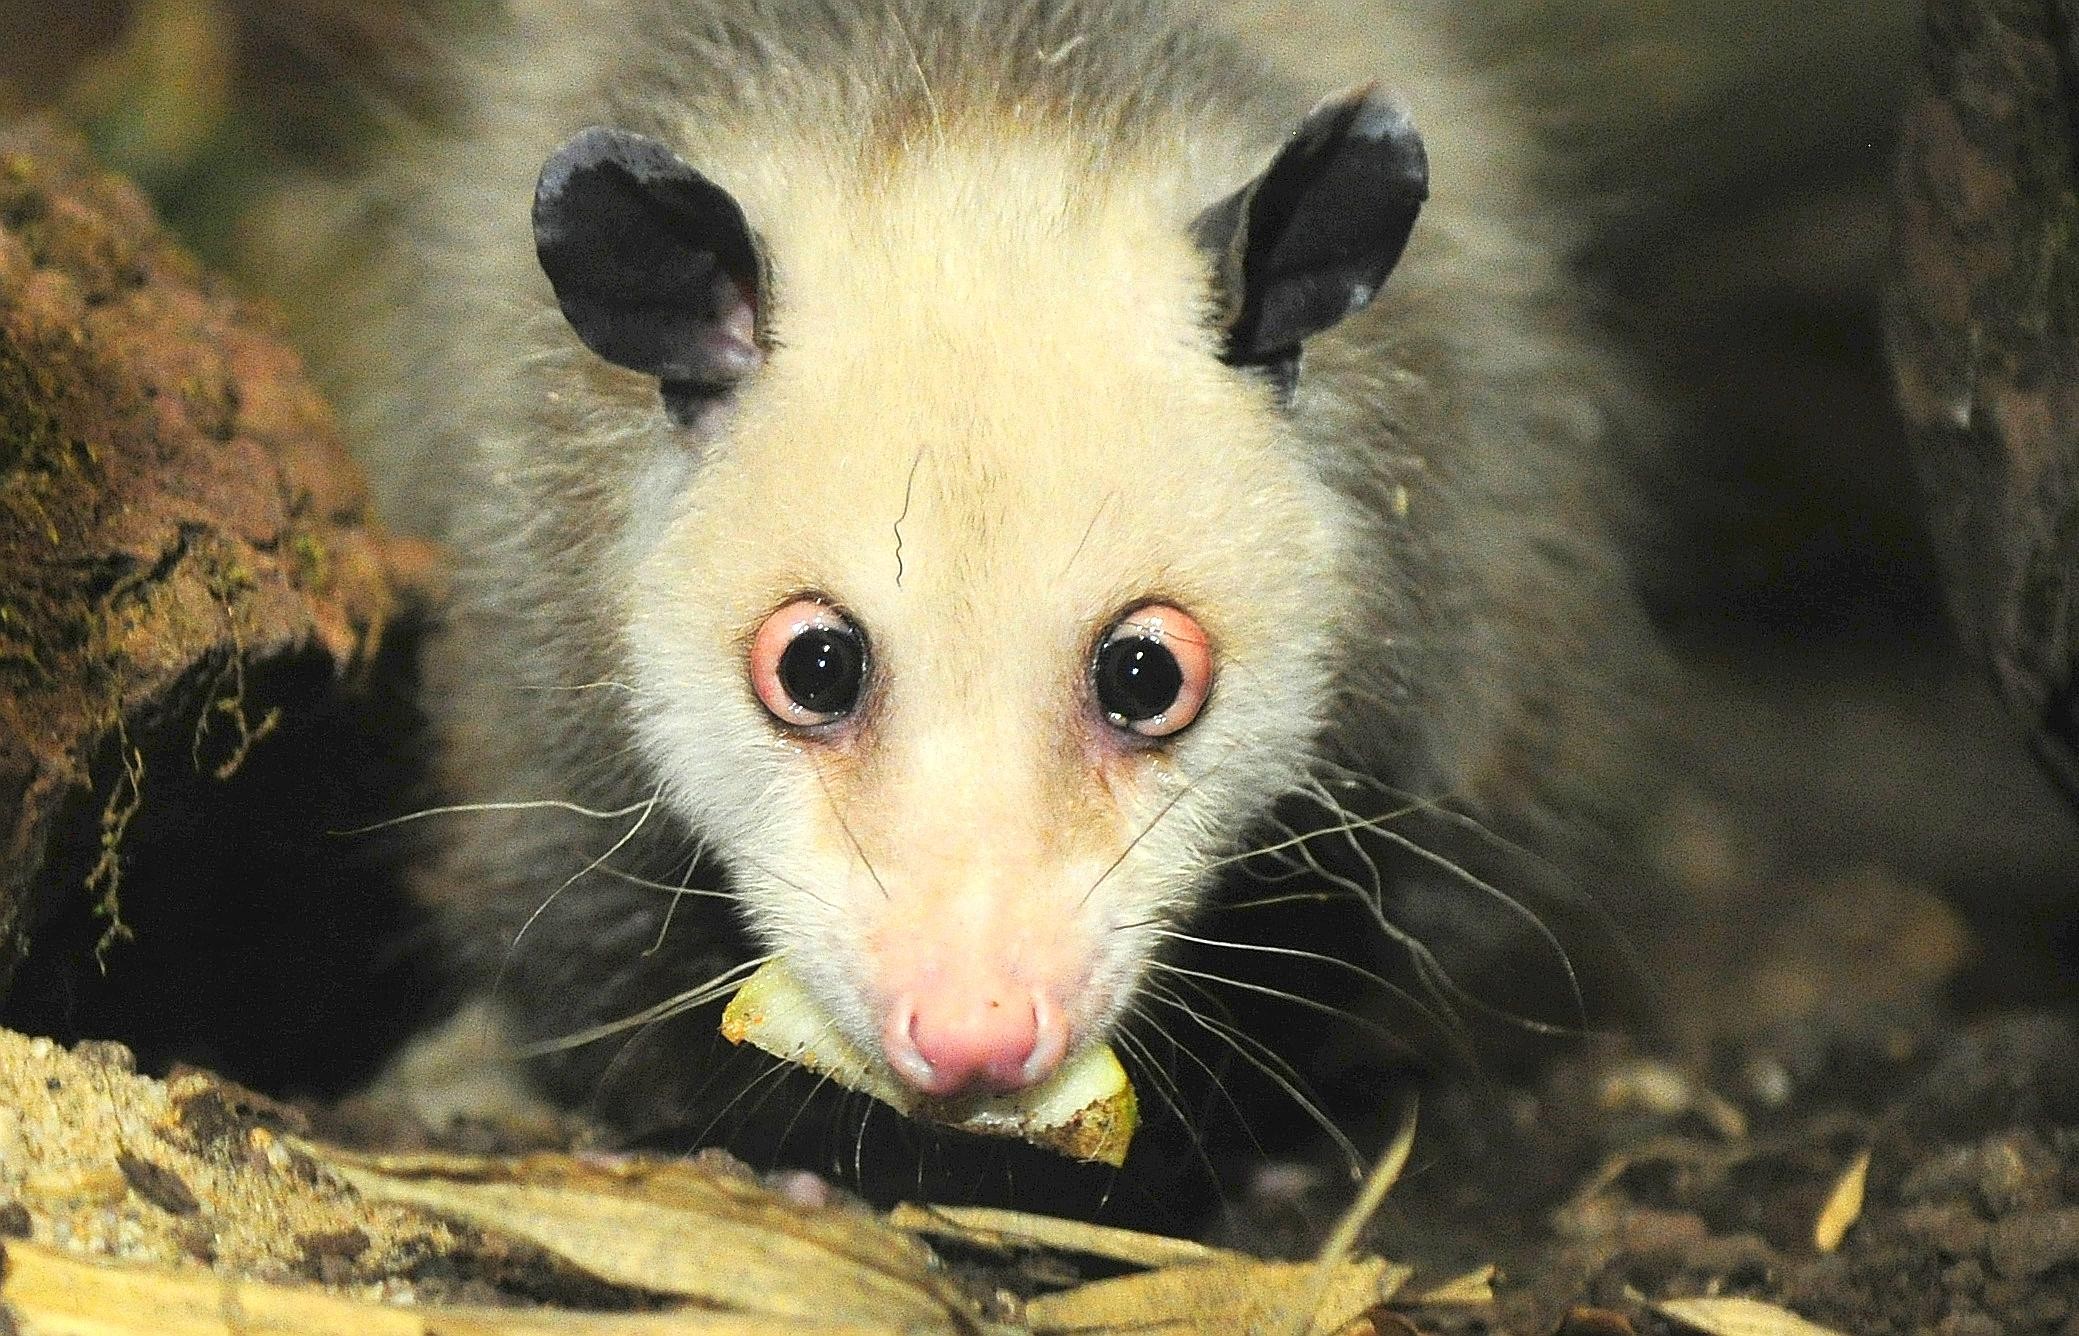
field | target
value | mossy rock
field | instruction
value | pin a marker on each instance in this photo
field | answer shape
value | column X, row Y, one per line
column 176, row 513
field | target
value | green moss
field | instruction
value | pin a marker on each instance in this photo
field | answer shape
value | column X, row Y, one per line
column 2059, row 282
column 231, row 583
column 313, row 562
column 48, row 478
column 18, row 645
column 39, row 457
column 212, row 405
column 105, row 879
column 24, row 203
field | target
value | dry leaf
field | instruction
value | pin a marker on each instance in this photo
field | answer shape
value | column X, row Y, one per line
column 1469, row 1290
column 1739, row 1317
column 1585, row 1321
column 1651, row 1086
column 51, row 1293
column 680, row 1228
column 1271, row 1298
column 1329, row 1262
column 1381, row 1323
column 1004, row 1231
column 1843, row 1205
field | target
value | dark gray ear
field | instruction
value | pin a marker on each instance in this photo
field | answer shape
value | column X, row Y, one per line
column 1313, row 238
column 652, row 263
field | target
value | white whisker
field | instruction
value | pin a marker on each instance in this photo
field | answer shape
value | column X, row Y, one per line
column 1379, row 981
column 513, row 946
column 697, row 996
column 1273, row 1067
column 530, row 805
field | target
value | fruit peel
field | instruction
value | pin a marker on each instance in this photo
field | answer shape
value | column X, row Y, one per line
column 1087, row 1111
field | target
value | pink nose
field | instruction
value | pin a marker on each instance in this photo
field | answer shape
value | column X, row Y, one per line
column 948, row 1040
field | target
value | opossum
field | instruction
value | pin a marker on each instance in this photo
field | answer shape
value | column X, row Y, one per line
column 956, row 468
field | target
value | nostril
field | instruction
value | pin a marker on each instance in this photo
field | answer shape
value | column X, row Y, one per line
column 1049, row 1041
column 945, row 1041
column 899, row 1042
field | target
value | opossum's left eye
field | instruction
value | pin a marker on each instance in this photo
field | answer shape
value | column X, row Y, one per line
column 808, row 663
column 1152, row 671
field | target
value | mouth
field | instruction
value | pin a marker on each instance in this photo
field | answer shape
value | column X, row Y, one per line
column 1086, row 1110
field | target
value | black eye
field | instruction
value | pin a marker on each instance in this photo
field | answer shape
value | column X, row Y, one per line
column 821, row 669
column 1137, row 678
column 1153, row 670
column 808, row 663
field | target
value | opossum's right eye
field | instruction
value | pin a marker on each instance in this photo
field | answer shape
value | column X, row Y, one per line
column 1152, row 671
column 808, row 664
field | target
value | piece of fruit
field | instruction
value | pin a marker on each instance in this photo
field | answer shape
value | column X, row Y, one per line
column 1086, row 1111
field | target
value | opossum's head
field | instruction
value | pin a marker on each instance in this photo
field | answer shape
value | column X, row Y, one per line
column 982, row 590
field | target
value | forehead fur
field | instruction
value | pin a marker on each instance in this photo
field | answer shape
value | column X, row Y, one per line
column 1013, row 355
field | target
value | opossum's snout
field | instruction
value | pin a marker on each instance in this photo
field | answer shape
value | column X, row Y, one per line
column 966, row 845
column 951, row 1021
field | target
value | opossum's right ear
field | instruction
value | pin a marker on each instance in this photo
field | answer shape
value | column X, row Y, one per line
column 652, row 263
column 1313, row 238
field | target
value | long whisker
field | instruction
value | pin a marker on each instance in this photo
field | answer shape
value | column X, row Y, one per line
column 629, row 1046
column 807, row 1100
column 1168, row 1091
column 1286, row 898
column 1434, row 976
column 1300, row 838
column 1156, row 820
column 676, row 893
column 1371, row 865
column 1440, row 806
column 1269, row 1064
column 532, row 805
column 698, row 995
column 772, row 1073
column 1573, row 894
column 859, row 1144
column 1165, row 1084
column 1435, row 980
column 846, row 827
column 1454, row 1033
column 1515, row 906
column 1212, row 1077
column 513, row 947
column 1379, row 981
column 603, row 684
column 1350, row 1018
column 778, row 1067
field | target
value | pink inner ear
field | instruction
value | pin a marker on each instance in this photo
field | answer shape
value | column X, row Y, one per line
column 732, row 343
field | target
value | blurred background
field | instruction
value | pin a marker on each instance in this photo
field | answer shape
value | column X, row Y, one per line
column 1740, row 158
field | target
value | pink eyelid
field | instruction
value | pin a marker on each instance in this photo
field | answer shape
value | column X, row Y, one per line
column 770, row 641
column 1179, row 632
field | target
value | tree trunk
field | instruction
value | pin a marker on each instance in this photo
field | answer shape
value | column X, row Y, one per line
column 1982, row 322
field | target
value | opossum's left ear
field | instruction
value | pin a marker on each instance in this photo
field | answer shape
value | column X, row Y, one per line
column 1313, row 238
column 652, row 263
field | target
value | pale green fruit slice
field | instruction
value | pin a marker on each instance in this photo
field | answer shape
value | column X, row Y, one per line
column 1086, row 1111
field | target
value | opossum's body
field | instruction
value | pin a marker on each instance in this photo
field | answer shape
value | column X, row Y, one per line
column 989, row 416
